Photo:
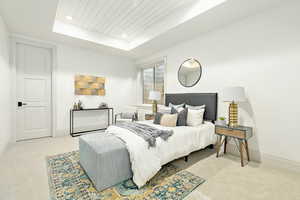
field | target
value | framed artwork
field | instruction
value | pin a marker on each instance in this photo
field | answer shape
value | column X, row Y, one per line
column 89, row 85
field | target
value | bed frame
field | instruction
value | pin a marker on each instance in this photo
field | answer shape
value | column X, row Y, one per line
column 210, row 100
column 115, row 167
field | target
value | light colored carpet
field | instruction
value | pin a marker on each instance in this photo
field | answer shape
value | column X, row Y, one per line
column 23, row 174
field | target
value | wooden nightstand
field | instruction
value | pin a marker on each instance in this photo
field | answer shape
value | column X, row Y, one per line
column 241, row 134
column 149, row 116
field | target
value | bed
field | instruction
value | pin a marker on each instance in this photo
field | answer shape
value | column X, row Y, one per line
column 119, row 155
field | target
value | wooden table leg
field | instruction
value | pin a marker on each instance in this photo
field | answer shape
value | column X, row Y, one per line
column 241, row 152
column 219, row 145
column 225, row 145
column 247, row 150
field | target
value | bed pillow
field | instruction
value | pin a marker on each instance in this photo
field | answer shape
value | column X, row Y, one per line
column 195, row 117
column 164, row 109
column 195, row 107
column 182, row 115
column 177, row 106
column 157, row 118
column 169, row 120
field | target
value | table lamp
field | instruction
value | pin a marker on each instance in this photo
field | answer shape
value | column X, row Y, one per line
column 233, row 95
column 154, row 96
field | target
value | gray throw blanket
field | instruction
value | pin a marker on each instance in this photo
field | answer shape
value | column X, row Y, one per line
column 148, row 133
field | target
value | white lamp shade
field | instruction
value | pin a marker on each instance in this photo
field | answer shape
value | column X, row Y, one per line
column 154, row 95
column 235, row 94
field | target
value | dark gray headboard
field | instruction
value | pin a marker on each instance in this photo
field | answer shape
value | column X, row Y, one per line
column 210, row 100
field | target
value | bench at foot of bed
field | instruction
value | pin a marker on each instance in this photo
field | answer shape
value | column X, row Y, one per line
column 105, row 159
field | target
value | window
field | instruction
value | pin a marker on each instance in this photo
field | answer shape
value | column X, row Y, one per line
column 153, row 79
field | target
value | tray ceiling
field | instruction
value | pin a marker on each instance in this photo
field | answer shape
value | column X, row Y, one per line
column 125, row 24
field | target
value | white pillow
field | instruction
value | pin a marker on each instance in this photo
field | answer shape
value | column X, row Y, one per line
column 195, row 107
column 165, row 110
column 195, row 117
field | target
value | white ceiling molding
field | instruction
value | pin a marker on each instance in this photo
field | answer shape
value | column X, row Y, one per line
column 125, row 24
column 152, row 62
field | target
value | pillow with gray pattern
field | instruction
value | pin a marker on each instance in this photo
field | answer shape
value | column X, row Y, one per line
column 157, row 118
column 182, row 116
column 177, row 106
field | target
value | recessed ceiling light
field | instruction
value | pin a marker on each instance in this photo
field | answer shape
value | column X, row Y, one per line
column 69, row 17
column 124, row 35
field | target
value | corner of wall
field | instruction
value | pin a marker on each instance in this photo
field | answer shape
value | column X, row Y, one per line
column 5, row 77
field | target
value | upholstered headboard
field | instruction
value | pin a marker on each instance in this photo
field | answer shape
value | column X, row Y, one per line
column 210, row 100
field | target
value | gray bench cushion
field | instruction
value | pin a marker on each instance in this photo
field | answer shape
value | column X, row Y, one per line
column 105, row 159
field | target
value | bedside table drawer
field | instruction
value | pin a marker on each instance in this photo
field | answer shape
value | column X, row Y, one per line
column 232, row 133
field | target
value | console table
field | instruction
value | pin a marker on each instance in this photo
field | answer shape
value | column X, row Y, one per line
column 110, row 118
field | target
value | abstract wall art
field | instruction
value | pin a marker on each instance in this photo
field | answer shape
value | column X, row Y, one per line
column 89, row 85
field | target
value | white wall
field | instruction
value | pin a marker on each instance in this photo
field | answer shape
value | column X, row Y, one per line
column 120, row 75
column 261, row 53
column 5, row 89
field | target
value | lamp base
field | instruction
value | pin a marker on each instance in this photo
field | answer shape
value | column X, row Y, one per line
column 233, row 114
column 154, row 107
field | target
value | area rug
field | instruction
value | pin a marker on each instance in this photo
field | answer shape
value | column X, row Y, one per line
column 68, row 181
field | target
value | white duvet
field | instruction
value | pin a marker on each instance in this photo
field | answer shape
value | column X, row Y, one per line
column 146, row 162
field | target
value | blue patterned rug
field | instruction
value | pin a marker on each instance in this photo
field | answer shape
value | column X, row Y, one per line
column 68, row 181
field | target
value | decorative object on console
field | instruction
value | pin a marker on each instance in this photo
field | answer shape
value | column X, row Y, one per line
column 80, row 105
column 190, row 72
column 154, row 96
column 103, row 105
column 75, row 106
column 89, row 85
column 233, row 95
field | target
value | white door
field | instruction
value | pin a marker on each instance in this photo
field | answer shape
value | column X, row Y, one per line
column 33, row 91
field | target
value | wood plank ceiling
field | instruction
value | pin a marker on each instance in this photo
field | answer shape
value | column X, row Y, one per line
column 119, row 19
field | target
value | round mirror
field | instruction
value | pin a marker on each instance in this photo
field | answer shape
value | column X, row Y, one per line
column 189, row 72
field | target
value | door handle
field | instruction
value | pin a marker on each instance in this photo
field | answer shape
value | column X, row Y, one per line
column 20, row 104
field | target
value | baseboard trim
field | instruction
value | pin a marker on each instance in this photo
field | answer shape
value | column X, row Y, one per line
column 280, row 162
column 267, row 159
column 62, row 133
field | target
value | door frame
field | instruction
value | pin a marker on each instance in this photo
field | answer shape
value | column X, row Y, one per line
column 19, row 39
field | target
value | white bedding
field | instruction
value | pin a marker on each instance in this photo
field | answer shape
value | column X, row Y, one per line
column 146, row 162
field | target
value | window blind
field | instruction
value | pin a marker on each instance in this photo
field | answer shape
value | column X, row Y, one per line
column 153, row 79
